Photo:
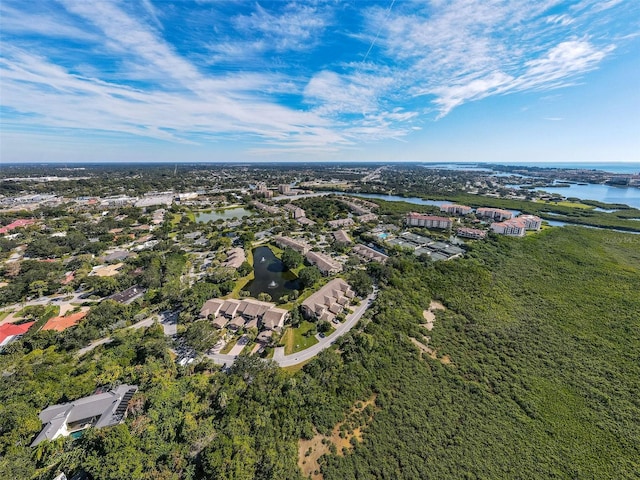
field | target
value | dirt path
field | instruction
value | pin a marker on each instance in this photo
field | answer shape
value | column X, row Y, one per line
column 310, row 451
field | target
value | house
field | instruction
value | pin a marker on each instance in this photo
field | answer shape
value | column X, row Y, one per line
column 20, row 223
column 102, row 409
column 10, row 332
column 428, row 221
column 236, row 324
column 62, row 323
column 456, row 209
column 369, row 253
column 128, row 296
column 329, row 301
column 117, row 256
column 326, row 264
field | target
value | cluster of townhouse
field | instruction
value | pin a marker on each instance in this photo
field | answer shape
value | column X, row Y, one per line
column 326, row 264
column 298, row 214
column 368, row 253
column 246, row 313
column 235, row 258
column 328, row 302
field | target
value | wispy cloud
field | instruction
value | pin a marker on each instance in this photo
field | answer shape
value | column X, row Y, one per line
column 288, row 75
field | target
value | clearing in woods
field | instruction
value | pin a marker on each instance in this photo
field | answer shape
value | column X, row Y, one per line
column 310, row 451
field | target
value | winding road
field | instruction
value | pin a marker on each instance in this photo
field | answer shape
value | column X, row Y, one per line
column 295, row 358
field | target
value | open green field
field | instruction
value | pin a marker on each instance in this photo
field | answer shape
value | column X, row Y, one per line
column 294, row 339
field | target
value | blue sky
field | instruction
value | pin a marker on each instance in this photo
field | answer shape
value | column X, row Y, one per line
column 362, row 80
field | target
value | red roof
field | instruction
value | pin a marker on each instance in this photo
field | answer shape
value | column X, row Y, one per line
column 62, row 323
column 23, row 222
column 9, row 329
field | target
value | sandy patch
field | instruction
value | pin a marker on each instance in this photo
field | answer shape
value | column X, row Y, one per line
column 108, row 271
column 445, row 360
column 310, row 451
column 430, row 316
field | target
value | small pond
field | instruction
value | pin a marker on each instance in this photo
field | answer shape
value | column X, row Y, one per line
column 223, row 214
column 271, row 276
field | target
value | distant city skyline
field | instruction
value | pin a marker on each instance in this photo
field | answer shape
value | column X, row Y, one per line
column 396, row 80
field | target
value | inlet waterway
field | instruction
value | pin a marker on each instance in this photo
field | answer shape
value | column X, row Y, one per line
column 271, row 276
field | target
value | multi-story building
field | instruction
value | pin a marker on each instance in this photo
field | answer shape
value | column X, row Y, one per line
column 428, row 221
column 497, row 214
column 456, row 209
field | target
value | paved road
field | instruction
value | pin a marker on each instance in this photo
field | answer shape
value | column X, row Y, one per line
column 93, row 345
column 289, row 360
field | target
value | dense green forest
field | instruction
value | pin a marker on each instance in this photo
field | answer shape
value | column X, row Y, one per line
column 534, row 374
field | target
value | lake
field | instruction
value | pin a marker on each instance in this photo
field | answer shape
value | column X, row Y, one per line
column 602, row 193
column 271, row 276
column 223, row 214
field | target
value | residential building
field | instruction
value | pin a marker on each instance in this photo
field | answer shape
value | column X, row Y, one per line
column 235, row 258
column 341, row 222
column 531, row 222
column 265, row 208
column 62, row 323
column 20, row 223
column 513, row 228
column 369, row 253
column 367, row 217
column 127, row 296
column 284, row 189
column 473, row 233
column 297, row 245
column 456, row 209
column 497, row 214
column 10, row 332
column 326, row 264
column 211, row 307
column 428, row 221
column 342, row 237
column 102, row 409
column 329, row 301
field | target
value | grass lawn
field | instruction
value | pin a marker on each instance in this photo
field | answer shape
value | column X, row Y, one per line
column 570, row 204
column 297, row 367
column 241, row 282
column 3, row 315
column 227, row 348
column 294, row 339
